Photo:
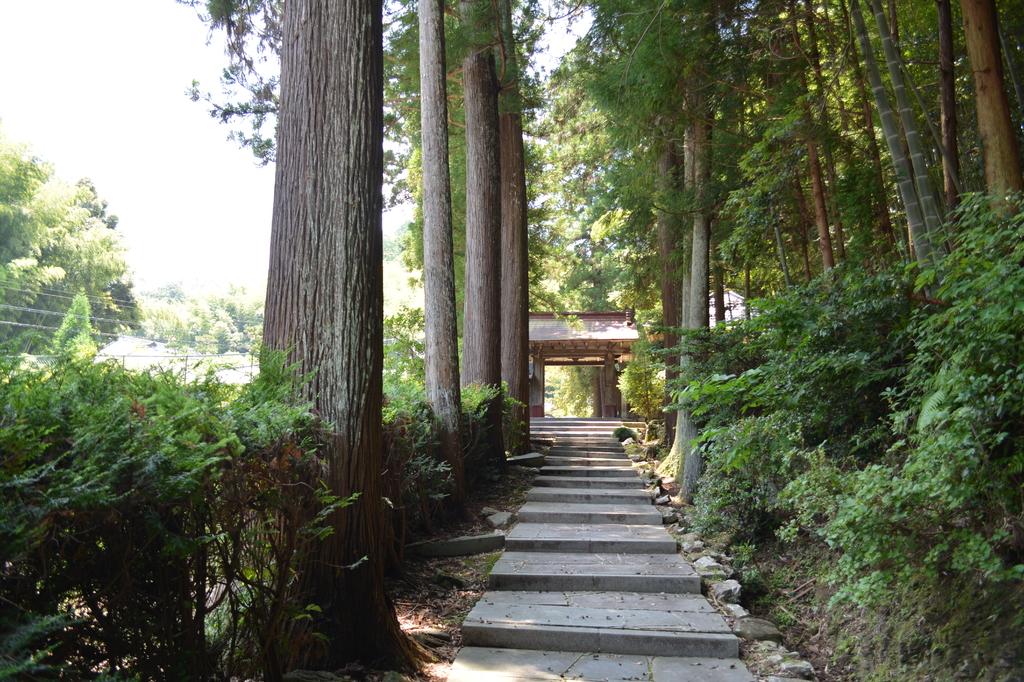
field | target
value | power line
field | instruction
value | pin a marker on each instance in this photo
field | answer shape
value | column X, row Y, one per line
column 43, row 291
column 52, row 329
column 59, row 314
column 108, row 297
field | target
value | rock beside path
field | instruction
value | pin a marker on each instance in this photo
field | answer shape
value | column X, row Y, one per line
column 460, row 546
column 757, row 629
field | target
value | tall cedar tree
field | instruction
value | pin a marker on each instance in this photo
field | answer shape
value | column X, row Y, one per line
column 481, row 343
column 514, row 276
column 668, row 178
column 700, row 151
column 324, row 304
column 998, row 139
column 441, row 328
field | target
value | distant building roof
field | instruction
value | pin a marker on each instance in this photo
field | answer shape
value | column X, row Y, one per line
column 579, row 326
column 134, row 346
column 582, row 337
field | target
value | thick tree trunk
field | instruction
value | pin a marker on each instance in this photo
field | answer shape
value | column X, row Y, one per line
column 515, row 334
column 481, row 344
column 441, row 329
column 998, row 141
column 904, row 177
column 668, row 170
column 947, row 105
column 324, row 303
column 699, row 267
column 685, row 429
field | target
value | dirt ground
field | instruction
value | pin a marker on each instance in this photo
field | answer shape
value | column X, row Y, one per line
column 433, row 596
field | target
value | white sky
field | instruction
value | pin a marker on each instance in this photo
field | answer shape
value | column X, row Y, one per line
column 97, row 88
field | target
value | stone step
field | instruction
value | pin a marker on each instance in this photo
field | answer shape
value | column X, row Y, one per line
column 659, row 573
column 612, row 622
column 482, row 664
column 581, row 537
column 575, row 432
column 588, row 449
column 591, row 472
column 596, row 513
column 583, row 452
column 558, row 460
column 560, row 481
column 601, row 430
column 591, row 495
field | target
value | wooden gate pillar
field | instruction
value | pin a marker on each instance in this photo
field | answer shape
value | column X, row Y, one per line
column 537, row 386
column 610, row 386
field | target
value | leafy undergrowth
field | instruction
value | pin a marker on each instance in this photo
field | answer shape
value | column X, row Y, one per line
column 507, row 494
column 967, row 635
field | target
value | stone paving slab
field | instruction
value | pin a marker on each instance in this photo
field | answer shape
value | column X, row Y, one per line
column 591, row 472
column 517, row 635
column 625, row 482
column 524, row 571
column 584, row 512
column 604, row 599
column 619, row 456
column 559, row 461
column 560, row 448
column 605, row 611
column 589, row 495
column 580, row 537
column 590, row 586
column 519, row 665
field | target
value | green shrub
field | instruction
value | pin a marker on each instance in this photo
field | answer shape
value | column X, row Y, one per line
column 416, row 479
column 150, row 526
column 946, row 499
column 799, row 384
column 623, row 433
column 883, row 420
column 642, row 383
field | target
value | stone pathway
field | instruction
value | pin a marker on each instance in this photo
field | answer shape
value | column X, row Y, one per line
column 590, row 586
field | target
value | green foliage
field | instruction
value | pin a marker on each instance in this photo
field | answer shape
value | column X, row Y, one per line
column 570, row 390
column 417, row 480
column 152, row 526
column 403, row 353
column 642, row 383
column 622, row 433
column 74, row 337
column 56, row 240
column 802, row 380
column 890, row 432
column 946, row 499
column 212, row 324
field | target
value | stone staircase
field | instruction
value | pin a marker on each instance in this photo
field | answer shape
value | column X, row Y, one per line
column 590, row 586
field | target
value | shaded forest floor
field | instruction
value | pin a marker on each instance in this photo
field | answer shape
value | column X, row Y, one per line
column 433, row 595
